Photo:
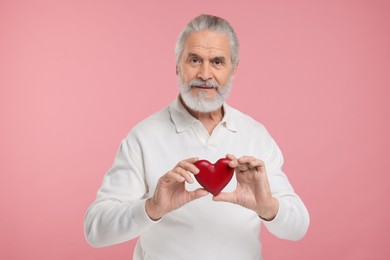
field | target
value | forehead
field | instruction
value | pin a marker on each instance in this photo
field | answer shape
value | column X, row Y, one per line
column 207, row 43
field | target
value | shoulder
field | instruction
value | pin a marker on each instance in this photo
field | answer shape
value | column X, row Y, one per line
column 245, row 122
column 152, row 125
column 255, row 134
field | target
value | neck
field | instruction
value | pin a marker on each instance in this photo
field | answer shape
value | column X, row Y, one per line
column 209, row 120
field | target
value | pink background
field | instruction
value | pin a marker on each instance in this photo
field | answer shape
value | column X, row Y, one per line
column 75, row 76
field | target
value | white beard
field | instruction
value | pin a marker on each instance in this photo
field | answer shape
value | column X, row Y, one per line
column 199, row 102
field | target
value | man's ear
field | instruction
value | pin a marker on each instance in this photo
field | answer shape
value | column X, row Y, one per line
column 177, row 70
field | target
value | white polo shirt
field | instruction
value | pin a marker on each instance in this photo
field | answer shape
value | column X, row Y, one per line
column 202, row 229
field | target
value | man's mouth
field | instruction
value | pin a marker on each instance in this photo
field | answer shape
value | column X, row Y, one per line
column 202, row 87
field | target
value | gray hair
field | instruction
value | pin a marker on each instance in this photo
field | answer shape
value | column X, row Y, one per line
column 212, row 23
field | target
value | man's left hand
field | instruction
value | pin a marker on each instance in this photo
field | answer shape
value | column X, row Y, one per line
column 253, row 190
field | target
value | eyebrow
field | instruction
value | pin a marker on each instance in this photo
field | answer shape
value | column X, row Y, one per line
column 222, row 58
column 193, row 55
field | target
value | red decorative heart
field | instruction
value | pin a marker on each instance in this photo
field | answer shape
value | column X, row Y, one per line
column 214, row 177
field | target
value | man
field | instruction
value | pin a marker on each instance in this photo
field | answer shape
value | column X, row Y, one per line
column 150, row 191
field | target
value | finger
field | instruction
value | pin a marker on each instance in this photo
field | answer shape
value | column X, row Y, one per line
column 198, row 193
column 246, row 159
column 173, row 176
column 257, row 164
column 180, row 171
column 225, row 197
column 243, row 167
column 249, row 163
column 192, row 159
column 231, row 156
column 188, row 165
column 233, row 160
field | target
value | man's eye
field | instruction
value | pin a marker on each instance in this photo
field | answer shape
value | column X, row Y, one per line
column 218, row 62
column 194, row 60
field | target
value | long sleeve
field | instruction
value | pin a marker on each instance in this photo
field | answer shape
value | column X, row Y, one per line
column 292, row 220
column 118, row 214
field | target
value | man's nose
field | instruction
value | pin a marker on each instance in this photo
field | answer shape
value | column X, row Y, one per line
column 205, row 72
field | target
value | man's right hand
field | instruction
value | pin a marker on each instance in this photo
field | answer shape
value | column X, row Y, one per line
column 170, row 193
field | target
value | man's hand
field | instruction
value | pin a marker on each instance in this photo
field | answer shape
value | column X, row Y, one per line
column 170, row 193
column 253, row 190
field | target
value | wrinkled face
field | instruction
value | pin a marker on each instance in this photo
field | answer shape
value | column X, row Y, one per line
column 205, row 71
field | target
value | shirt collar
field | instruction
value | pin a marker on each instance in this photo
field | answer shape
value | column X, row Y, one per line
column 183, row 120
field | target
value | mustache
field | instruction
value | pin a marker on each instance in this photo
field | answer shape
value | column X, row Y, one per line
column 199, row 83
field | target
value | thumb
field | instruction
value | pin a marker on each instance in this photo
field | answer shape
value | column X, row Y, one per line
column 226, row 197
column 198, row 193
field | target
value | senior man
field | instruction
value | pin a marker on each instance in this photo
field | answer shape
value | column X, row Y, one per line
column 150, row 191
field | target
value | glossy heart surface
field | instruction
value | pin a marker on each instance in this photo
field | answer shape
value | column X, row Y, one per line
column 214, row 177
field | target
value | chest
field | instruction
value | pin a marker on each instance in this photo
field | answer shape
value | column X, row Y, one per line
column 166, row 150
